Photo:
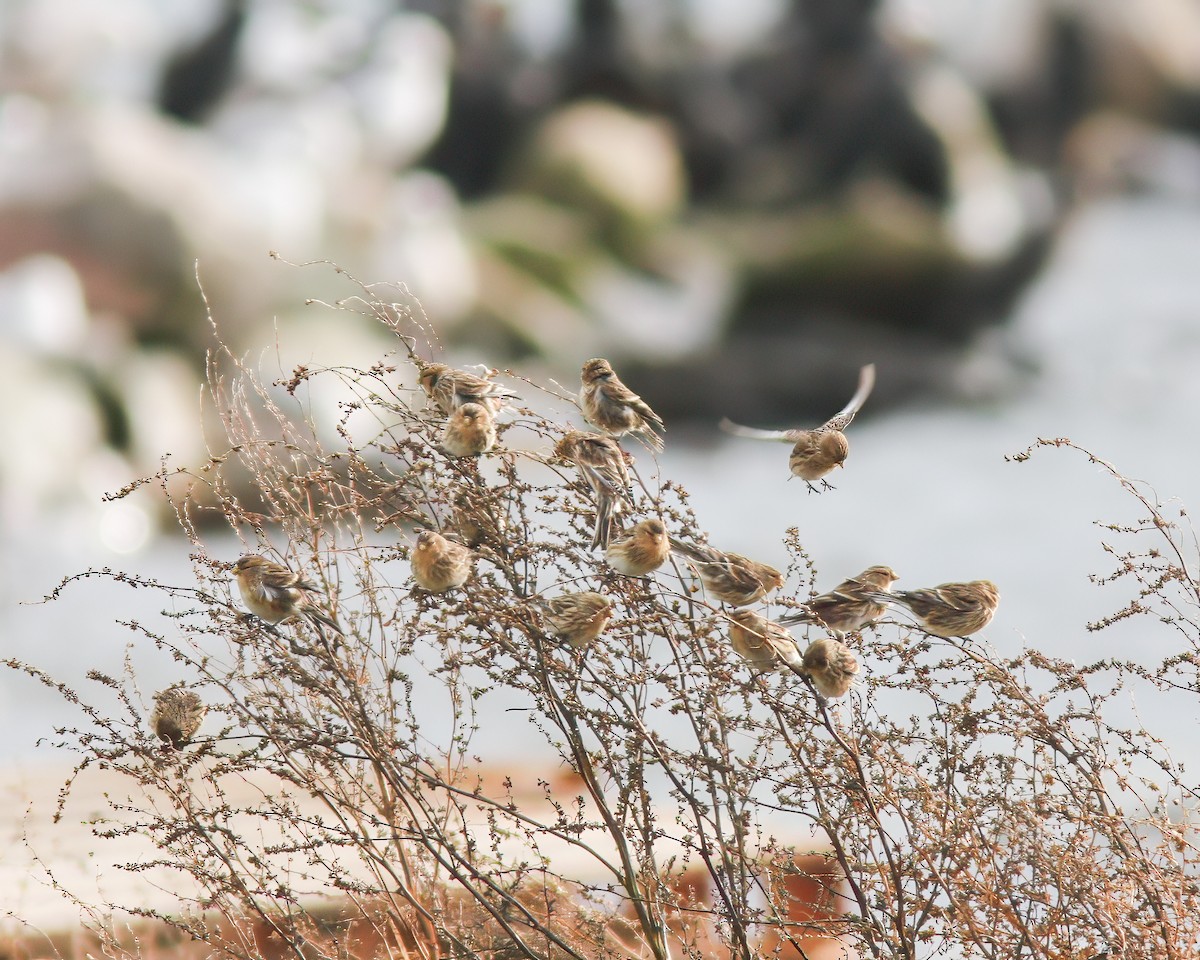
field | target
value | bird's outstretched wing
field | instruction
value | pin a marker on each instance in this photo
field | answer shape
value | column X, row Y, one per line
column 866, row 383
column 783, row 436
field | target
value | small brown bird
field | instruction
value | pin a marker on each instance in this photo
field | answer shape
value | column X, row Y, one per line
column 276, row 594
column 577, row 618
column 642, row 551
column 470, row 431
column 177, row 715
column 729, row 577
column 849, row 606
column 612, row 407
column 451, row 388
column 472, row 518
column 952, row 609
column 439, row 564
column 816, row 452
column 765, row 644
column 831, row 666
column 601, row 463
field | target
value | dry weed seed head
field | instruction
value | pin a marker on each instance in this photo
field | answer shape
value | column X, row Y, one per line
column 666, row 800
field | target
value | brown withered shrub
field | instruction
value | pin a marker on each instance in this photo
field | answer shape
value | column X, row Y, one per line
column 998, row 815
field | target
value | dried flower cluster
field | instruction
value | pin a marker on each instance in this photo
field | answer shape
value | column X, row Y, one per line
column 456, row 572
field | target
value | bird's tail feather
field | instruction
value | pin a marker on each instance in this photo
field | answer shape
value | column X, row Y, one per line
column 693, row 551
column 319, row 619
column 603, row 531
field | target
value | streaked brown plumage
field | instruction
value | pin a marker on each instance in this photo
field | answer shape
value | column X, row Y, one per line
column 470, row 430
column 601, row 462
column 815, row 453
column 641, row 551
column 277, row 594
column 831, row 665
column 177, row 715
column 953, row 609
column 765, row 644
column 439, row 564
column 729, row 577
column 472, row 518
column 577, row 618
column 849, row 606
column 609, row 405
column 450, row 388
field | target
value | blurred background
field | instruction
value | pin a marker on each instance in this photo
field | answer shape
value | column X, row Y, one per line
column 739, row 202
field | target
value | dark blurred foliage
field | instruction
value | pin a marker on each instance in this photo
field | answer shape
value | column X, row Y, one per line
column 196, row 78
column 820, row 106
column 1035, row 118
column 827, row 91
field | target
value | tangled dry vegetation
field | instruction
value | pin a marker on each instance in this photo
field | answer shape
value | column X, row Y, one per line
column 697, row 807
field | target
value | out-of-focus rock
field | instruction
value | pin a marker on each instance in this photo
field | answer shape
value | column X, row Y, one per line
column 401, row 92
column 986, row 219
column 419, row 235
column 588, row 247
column 674, row 307
column 158, row 393
column 42, row 307
column 621, row 166
column 1112, row 153
column 529, row 254
column 1168, row 32
column 121, row 197
column 51, row 430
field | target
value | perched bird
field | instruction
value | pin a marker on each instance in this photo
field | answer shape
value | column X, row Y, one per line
column 451, row 388
column 816, row 452
column 276, row 594
column 577, row 618
column 831, row 666
column 729, row 577
column 470, row 431
column 612, row 407
column 643, row 550
column 952, row 609
column 849, row 606
column 765, row 644
column 177, row 715
column 439, row 564
column 601, row 463
column 472, row 518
